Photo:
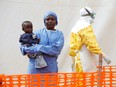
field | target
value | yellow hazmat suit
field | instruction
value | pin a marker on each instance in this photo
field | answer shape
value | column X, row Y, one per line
column 79, row 42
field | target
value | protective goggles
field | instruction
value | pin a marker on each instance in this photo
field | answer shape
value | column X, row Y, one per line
column 90, row 14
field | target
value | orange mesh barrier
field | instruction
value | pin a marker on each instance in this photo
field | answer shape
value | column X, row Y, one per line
column 106, row 78
column 1, row 79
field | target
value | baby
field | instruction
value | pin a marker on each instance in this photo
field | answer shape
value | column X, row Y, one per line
column 28, row 38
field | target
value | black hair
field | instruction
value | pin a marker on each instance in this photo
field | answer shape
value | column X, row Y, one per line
column 24, row 23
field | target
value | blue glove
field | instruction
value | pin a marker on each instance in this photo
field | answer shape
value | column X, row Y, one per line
column 22, row 48
column 31, row 50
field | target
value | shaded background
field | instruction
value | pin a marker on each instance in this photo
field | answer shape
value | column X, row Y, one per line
column 14, row 12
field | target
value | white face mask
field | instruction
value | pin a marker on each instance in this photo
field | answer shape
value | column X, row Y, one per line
column 87, row 19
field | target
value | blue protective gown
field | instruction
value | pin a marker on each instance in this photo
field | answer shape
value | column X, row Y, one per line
column 51, row 44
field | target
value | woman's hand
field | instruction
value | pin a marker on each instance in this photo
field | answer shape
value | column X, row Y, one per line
column 30, row 50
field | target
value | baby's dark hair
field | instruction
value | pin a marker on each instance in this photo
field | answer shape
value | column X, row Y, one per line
column 25, row 23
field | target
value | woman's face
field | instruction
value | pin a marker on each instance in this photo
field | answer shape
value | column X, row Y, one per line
column 50, row 22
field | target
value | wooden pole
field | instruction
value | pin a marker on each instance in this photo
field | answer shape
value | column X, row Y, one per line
column 100, row 71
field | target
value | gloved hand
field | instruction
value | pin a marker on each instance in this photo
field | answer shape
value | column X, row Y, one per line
column 32, row 49
column 105, row 57
column 22, row 48
column 108, row 61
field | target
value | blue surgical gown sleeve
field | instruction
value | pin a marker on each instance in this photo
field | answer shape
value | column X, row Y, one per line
column 22, row 49
column 53, row 49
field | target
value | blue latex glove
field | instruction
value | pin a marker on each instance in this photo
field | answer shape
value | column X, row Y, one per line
column 31, row 50
column 22, row 48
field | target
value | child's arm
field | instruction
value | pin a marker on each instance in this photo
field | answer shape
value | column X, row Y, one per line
column 35, row 40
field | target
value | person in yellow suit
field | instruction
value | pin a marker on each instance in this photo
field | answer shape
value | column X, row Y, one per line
column 83, row 43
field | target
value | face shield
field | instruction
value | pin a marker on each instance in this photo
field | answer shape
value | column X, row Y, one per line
column 87, row 12
column 92, row 15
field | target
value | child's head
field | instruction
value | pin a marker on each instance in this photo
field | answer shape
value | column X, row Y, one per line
column 27, row 27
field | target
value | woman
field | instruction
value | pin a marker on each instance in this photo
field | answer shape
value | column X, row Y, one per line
column 51, row 44
column 83, row 43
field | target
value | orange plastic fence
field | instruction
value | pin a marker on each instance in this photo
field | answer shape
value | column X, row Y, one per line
column 106, row 78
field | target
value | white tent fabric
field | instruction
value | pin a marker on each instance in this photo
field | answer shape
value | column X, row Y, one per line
column 14, row 12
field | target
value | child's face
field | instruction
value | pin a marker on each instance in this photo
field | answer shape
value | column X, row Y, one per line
column 50, row 22
column 28, row 28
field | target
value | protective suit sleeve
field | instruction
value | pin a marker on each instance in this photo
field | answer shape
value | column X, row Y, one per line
column 89, row 39
column 75, row 44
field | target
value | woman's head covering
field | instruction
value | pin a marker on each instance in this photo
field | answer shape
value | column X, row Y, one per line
column 50, row 13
